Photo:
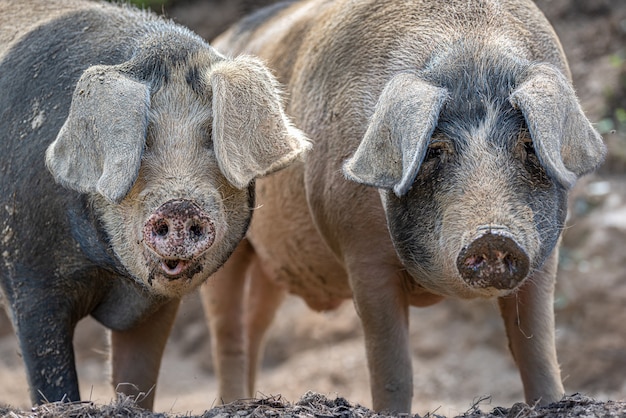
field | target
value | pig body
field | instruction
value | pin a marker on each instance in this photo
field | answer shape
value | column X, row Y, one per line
column 445, row 138
column 151, row 140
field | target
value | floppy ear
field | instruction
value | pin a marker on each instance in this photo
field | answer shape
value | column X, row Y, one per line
column 99, row 147
column 252, row 136
column 398, row 135
column 566, row 143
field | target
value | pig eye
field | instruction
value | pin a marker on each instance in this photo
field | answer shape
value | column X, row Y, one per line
column 208, row 142
column 150, row 136
column 525, row 145
column 525, row 149
column 207, row 136
column 438, row 149
column 529, row 147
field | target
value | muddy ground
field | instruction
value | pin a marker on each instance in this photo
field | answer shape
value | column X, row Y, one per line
column 461, row 363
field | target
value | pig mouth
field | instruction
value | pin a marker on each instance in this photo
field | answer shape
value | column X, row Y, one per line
column 174, row 268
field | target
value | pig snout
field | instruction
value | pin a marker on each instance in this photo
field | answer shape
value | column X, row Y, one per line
column 493, row 259
column 177, row 232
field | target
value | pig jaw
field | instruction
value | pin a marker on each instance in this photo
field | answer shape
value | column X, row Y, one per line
column 458, row 253
column 177, row 261
column 229, row 213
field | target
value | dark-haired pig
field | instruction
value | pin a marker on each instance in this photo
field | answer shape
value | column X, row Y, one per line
column 128, row 153
column 446, row 135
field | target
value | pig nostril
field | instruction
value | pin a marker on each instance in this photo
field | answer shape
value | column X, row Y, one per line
column 475, row 262
column 511, row 264
column 161, row 228
column 196, row 231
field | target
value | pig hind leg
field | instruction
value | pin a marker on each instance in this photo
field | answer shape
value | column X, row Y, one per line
column 240, row 302
column 136, row 354
column 264, row 298
column 223, row 301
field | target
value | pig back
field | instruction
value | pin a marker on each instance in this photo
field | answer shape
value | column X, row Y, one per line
column 352, row 49
column 336, row 57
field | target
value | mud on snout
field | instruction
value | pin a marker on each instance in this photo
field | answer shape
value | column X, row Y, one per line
column 493, row 258
column 176, row 236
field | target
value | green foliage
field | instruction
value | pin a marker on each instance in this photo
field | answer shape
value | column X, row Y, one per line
column 616, row 60
column 156, row 5
column 615, row 117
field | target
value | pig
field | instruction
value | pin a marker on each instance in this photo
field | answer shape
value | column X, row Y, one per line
column 446, row 136
column 128, row 150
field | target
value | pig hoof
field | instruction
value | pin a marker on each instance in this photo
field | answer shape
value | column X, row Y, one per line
column 177, row 232
column 493, row 260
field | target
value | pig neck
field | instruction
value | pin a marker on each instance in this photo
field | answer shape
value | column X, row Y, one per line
column 94, row 242
column 125, row 304
column 120, row 301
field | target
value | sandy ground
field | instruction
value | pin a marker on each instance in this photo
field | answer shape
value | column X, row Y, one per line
column 459, row 347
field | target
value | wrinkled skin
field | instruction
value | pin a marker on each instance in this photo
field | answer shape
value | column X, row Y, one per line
column 129, row 149
column 446, row 136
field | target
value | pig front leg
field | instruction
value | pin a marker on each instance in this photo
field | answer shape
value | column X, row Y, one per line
column 136, row 354
column 382, row 305
column 529, row 321
column 45, row 327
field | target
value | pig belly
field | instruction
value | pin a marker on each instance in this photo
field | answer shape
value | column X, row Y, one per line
column 304, row 265
column 289, row 246
column 317, row 278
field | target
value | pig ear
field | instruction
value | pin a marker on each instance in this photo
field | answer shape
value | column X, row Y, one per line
column 252, row 136
column 397, row 137
column 566, row 143
column 99, row 147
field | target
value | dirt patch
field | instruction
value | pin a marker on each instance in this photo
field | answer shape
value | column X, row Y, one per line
column 319, row 406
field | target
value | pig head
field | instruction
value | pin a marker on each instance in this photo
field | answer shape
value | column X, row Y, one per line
column 152, row 141
column 175, row 215
column 495, row 181
column 446, row 136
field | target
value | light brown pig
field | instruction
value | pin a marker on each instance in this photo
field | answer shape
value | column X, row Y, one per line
column 446, row 137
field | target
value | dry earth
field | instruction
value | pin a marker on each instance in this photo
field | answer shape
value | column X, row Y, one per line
column 461, row 363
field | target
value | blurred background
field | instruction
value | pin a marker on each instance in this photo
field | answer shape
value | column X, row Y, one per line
column 460, row 353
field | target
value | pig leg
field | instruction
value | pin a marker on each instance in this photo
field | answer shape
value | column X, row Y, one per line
column 223, row 301
column 136, row 354
column 264, row 298
column 529, row 320
column 45, row 327
column 381, row 302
